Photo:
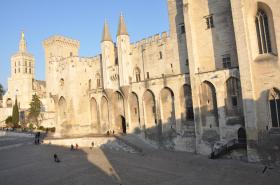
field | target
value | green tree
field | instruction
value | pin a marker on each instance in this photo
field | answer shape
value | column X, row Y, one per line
column 35, row 109
column 15, row 115
column 2, row 92
column 9, row 121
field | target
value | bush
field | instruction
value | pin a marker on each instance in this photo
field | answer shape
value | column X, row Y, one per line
column 31, row 126
column 52, row 129
column 9, row 121
column 42, row 128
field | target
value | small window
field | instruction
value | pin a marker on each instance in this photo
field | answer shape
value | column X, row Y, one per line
column 15, row 70
column 187, row 62
column 116, row 61
column 226, row 61
column 18, row 63
column 154, row 109
column 135, row 111
column 61, row 82
column 71, row 54
column 29, row 64
column 29, row 70
column 160, row 55
column 89, row 84
column 25, row 63
column 148, row 75
column 209, row 21
column 15, row 64
column 98, row 83
column 19, row 70
column 25, row 70
column 182, row 28
column 234, row 100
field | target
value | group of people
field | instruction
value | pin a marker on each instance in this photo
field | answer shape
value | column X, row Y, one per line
column 109, row 132
column 76, row 147
column 37, row 138
column 72, row 147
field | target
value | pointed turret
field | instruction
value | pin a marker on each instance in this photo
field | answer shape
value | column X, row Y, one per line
column 122, row 27
column 22, row 43
column 106, row 33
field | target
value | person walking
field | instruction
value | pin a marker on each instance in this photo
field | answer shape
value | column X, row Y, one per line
column 56, row 159
column 92, row 145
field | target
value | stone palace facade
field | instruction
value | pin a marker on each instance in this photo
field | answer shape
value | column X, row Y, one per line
column 213, row 78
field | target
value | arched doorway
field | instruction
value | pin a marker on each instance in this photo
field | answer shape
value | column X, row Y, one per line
column 118, row 107
column 149, row 109
column 274, row 103
column 134, row 111
column 104, row 115
column 120, row 124
column 241, row 133
column 94, row 116
column 209, row 109
column 167, row 109
column 62, row 117
column 186, row 103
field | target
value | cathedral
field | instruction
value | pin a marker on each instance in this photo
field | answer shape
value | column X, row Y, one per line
column 211, row 82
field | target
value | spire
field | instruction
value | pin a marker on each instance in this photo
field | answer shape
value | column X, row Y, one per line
column 22, row 43
column 122, row 26
column 106, row 32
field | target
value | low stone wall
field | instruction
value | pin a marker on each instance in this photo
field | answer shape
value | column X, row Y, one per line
column 82, row 142
column 15, row 134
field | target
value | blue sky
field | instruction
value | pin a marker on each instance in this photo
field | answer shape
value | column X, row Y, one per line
column 79, row 19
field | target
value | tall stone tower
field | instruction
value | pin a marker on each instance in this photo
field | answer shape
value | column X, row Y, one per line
column 20, row 84
column 178, row 33
column 124, row 59
column 109, row 65
column 57, row 48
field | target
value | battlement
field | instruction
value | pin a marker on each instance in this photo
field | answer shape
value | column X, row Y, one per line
column 58, row 39
column 152, row 39
column 77, row 59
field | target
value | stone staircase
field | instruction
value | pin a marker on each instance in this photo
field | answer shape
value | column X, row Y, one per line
column 137, row 143
column 222, row 149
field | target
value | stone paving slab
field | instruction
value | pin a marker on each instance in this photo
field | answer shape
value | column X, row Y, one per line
column 33, row 164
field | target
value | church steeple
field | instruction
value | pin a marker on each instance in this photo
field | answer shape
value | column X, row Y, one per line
column 122, row 26
column 22, row 43
column 106, row 33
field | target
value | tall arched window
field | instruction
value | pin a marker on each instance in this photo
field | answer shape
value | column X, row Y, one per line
column 263, row 32
column 274, row 102
column 234, row 97
column 137, row 75
column 98, row 80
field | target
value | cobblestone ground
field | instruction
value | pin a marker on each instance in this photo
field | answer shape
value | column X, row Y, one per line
column 23, row 163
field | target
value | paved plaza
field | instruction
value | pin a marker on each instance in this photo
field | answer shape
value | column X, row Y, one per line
column 23, row 163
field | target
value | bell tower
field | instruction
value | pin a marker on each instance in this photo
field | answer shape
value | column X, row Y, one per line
column 20, row 84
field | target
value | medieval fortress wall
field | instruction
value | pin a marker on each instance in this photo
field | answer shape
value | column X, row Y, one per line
column 213, row 78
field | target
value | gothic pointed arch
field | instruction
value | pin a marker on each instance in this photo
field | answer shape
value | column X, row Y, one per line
column 149, row 109
column 265, row 29
column 119, row 112
column 104, row 115
column 94, row 115
column 209, row 109
column 167, row 109
column 134, row 110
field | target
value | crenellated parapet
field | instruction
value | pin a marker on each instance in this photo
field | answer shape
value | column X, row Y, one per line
column 155, row 39
column 58, row 39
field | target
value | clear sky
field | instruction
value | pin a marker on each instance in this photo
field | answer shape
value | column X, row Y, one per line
column 78, row 19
